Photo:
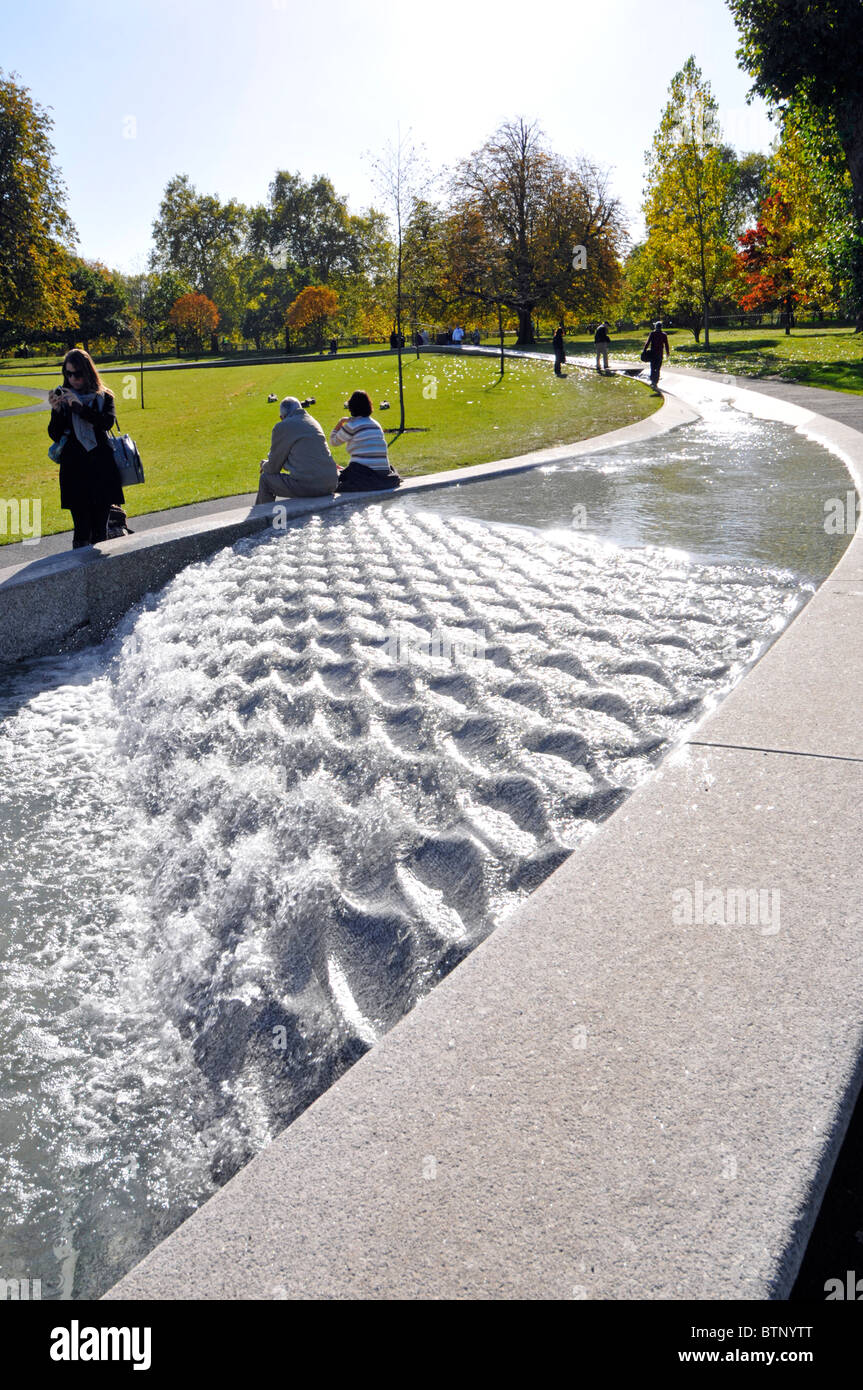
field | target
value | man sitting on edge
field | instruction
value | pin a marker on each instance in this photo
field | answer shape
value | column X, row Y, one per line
column 299, row 463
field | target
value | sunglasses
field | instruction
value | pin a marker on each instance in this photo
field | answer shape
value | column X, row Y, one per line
column 71, row 372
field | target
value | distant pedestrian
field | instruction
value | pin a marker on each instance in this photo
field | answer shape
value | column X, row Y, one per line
column 82, row 416
column 601, row 341
column 475, row 337
column 334, row 346
column 394, row 341
column 368, row 467
column 656, row 343
column 299, row 463
column 559, row 350
column 457, row 336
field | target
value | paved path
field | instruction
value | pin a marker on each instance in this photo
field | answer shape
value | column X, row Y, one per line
column 25, row 409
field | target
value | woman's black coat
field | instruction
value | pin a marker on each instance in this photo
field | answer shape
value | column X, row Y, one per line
column 87, row 479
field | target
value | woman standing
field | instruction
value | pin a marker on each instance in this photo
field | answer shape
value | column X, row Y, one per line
column 82, row 415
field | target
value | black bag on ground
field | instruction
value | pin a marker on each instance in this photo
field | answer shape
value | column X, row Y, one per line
column 118, row 524
column 358, row 478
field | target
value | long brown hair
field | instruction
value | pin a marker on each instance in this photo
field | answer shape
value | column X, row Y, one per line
column 84, row 363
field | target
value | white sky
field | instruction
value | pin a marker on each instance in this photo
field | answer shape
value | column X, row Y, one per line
column 228, row 91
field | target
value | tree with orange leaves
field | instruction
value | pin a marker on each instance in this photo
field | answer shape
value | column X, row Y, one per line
column 313, row 309
column 192, row 318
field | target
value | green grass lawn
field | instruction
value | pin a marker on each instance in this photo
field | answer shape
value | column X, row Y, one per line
column 828, row 357
column 204, row 432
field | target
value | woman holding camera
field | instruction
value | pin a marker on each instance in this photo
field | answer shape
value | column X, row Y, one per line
column 82, row 415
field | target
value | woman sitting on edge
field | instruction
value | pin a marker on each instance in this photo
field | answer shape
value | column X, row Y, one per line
column 368, row 467
column 82, row 415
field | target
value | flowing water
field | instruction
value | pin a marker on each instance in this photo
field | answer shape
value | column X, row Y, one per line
column 243, row 836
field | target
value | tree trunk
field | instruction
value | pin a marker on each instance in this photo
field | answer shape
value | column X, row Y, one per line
column 214, row 342
column 526, row 336
column 500, row 331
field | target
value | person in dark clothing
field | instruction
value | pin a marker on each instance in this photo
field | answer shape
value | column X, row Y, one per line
column 559, row 352
column 657, row 341
column 601, row 342
column 82, row 415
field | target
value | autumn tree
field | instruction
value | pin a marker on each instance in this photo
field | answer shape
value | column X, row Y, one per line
column 766, row 261
column 35, row 228
column 530, row 209
column 311, row 311
column 796, row 50
column 692, row 205
column 192, row 318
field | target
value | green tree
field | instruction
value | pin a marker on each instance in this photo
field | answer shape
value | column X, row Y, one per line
column 101, row 304
column 160, row 293
column 798, row 50
column 270, row 290
column 35, row 228
column 692, row 203
column 311, row 225
column 200, row 238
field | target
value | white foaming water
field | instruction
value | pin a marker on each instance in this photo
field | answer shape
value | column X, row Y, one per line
column 245, row 835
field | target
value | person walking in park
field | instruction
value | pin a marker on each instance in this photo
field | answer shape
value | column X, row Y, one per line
column 82, row 416
column 656, row 343
column 368, row 467
column 457, row 336
column 559, row 351
column 299, row 463
column 601, row 341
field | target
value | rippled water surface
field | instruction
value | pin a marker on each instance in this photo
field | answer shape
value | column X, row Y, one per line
column 247, row 833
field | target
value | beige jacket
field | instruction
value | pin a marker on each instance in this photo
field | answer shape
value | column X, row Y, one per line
column 299, row 448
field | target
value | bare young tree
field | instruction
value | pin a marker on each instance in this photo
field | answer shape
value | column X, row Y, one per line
column 402, row 179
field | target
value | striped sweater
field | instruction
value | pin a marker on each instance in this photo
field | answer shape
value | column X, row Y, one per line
column 365, row 442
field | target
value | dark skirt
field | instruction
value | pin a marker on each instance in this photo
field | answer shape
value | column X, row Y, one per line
column 357, row 478
column 88, row 479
